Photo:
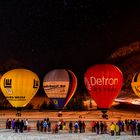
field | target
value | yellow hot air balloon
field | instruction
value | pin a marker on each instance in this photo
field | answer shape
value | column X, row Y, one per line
column 19, row 86
column 135, row 84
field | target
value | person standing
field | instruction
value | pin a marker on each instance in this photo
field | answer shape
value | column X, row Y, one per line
column 93, row 125
column 13, row 124
column 117, row 129
column 133, row 127
column 102, row 127
column 49, row 126
column 138, row 125
column 25, row 124
column 38, row 125
column 97, row 127
column 83, row 126
column 45, row 125
column 112, row 129
column 56, row 127
column 70, row 126
column 17, row 125
column 80, row 126
column 76, row 127
column 9, row 124
column 41, row 126
column 21, row 126
column 105, row 128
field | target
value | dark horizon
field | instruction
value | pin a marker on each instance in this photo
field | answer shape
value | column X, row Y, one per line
column 45, row 35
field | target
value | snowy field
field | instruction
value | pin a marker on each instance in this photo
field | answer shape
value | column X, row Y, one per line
column 87, row 116
column 34, row 135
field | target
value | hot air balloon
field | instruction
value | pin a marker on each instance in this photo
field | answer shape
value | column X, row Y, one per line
column 104, row 82
column 19, row 86
column 60, row 85
column 135, row 84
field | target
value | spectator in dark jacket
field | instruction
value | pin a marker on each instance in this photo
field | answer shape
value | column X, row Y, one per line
column 21, row 126
column 70, row 127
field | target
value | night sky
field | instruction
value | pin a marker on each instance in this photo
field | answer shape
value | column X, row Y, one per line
column 71, row 34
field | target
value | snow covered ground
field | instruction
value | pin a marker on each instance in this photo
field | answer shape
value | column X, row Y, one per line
column 34, row 135
column 87, row 116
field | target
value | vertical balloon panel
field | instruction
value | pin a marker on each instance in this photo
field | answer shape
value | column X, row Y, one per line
column 19, row 86
column 72, row 87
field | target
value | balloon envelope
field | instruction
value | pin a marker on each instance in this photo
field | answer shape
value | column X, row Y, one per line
column 135, row 84
column 104, row 82
column 19, row 86
column 60, row 85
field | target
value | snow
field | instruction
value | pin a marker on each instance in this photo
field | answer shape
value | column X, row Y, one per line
column 34, row 135
column 87, row 116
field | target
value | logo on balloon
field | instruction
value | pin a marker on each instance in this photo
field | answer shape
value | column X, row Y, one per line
column 52, row 87
column 136, row 84
column 8, row 85
column 55, row 102
column 103, row 81
column 36, row 84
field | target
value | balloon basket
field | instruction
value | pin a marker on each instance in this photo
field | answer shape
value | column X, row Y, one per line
column 18, row 111
column 18, row 114
column 104, row 116
column 60, row 114
column 104, row 112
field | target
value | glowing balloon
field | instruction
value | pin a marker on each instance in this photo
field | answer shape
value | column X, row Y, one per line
column 60, row 85
column 0, row 79
column 19, row 86
column 104, row 82
column 135, row 84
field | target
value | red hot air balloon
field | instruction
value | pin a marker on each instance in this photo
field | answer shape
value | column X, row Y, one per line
column 104, row 82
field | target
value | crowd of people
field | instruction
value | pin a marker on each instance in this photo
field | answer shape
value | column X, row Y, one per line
column 98, row 127
column 17, row 125
column 43, row 125
column 127, row 125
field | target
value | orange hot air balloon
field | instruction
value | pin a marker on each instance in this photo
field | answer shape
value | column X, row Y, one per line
column 104, row 82
column 19, row 86
column 135, row 84
column 60, row 85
